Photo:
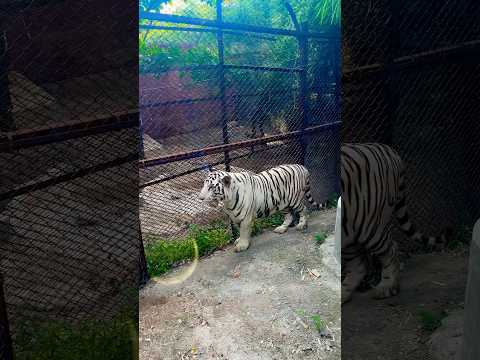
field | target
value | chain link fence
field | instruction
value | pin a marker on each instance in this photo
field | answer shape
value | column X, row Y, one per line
column 236, row 94
column 69, row 148
column 410, row 79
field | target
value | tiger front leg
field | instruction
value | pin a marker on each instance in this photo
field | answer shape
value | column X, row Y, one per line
column 355, row 272
column 302, row 222
column 286, row 223
column 389, row 285
column 243, row 242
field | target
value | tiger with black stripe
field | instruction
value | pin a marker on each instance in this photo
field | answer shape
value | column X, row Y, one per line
column 373, row 190
column 246, row 196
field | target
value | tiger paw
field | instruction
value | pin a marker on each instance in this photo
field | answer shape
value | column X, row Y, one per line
column 383, row 291
column 346, row 295
column 280, row 229
column 241, row 245
column 301, row 227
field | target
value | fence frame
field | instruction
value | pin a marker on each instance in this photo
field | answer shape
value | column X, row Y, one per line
column 219, row 27
column 7, row 353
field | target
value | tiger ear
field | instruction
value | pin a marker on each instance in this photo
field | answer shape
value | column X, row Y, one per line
column 227, row 180
column 211, row 168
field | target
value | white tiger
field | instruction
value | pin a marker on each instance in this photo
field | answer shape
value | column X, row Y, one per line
column 246, row 196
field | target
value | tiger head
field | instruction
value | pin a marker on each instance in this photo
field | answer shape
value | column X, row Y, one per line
column 216, row 188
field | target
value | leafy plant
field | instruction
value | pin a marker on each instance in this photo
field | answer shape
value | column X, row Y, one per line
column 268, row 222
column 320, row 238
column 112, row 339
column 333, row 201
column 317, row 321
column 431, row 321
column 162, row 254
column 462, row 237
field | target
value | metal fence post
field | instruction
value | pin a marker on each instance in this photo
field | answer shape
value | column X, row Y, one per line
column 304, row 93
column 143, row 271
column 221, row 80
column 391, row 75
column 6, row 352
column 6, row 119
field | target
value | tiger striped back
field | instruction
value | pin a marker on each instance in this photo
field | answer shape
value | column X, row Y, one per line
column 246, row 196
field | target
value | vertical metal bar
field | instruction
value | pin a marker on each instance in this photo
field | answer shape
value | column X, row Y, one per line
column 223, row 102
column 390, row 76
column 6, row 351
column 6, row 124
column 221, row 81
column 6, row 119
column 143, row 271
column 141, row 144
column 304, row 92
column 336, row 54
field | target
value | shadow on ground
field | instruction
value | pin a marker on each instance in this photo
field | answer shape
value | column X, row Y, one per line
column 395, row 329
column 260, row 304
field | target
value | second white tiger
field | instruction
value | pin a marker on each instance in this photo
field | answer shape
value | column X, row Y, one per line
column 246, row 196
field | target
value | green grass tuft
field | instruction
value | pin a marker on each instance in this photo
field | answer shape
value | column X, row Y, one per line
column 332, row 201
column 96, row 340
column 319, row 324
column 162, row 254
column 320, row 238
column 268, row 222
column 430, row 321
column 462, row 238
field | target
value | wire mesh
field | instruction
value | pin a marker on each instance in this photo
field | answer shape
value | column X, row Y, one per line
column 409, row 80
column 70, row 241
column 213, row 87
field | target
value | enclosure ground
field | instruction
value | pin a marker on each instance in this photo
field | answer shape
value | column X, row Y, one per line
column 393, row 328
column 259, row 304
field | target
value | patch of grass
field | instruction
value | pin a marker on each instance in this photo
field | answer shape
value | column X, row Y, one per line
column 320, row 238
column 462, row 237
column 332, row 201
column 162, row 254
column 96, row 340
column 268, row 222
column 430, row 321
column 317, row 321
column 300, row 312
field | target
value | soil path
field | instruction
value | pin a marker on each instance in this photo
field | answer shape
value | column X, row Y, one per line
column 392, row 329
column 259, row 304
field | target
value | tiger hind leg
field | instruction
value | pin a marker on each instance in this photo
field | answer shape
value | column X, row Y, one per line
column 355, row 271
column 286, row 223
column 389, row 284
column 302, row 222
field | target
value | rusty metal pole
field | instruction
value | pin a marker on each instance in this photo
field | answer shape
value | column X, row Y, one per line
column 6, row 118
column 221, row 82
column 304, row 93
column 6, row 352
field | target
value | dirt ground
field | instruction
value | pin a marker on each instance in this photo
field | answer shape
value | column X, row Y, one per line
column 252, row 305
column 391, row 329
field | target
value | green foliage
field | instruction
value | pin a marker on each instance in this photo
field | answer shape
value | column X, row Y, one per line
column 320, row 238
column 96, row 340
column 161, row 254
column 462, row 237
column 317, row 321
column 430, row 321
column 161, row 49
column 268, row 222
column 332, row 201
